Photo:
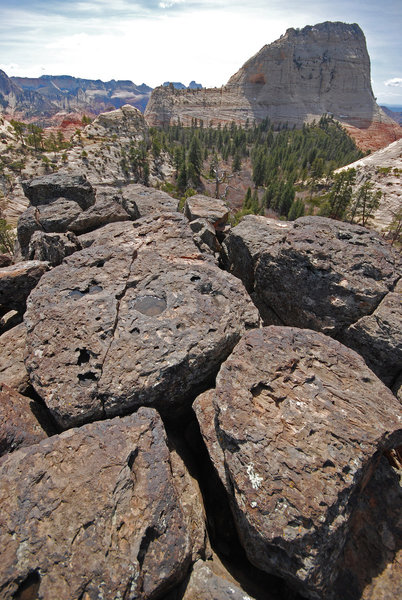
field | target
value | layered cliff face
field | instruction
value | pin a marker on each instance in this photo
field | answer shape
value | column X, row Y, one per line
column 320, row 69
column 17, row 103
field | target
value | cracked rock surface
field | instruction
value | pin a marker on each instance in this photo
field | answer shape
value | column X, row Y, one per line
column 19, row 425
column 17, row 282
column 96, row 515
column 145, row 321
column 293, row 428
column 321, row 274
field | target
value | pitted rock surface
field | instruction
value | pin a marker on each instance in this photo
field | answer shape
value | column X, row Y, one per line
column 52, row 247
column 16, row 283
column 293, row 428
column 46, row 189
column 12, row 366
column 325, row 275
column 378, row 337
column 105, row 210
column 213, row 210
column 247, row 241
column 95, row 515
column 148, row 201
column 142, row 322
column 19, row 425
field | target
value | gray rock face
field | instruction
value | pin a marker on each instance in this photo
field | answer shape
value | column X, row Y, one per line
column 52, row 247
column 370, row 566
column 16, row 283
column 45, row 189
column 120, row 231
column 148, row 201
column 378, row 337
column 105, row 210
column 205, row 236
column 144, row 321
column 247, row 241
column 64, row 541
column 213, row 210
column 19, row 427
column 12, row 367
column 324, row 275
column 293, row 428
column 50, row 218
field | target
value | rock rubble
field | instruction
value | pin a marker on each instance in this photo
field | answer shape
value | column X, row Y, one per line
column 293, row 489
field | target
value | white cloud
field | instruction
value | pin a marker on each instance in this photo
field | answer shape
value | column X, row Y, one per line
column 395, row 82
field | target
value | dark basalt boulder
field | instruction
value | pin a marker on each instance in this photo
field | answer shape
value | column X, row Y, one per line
column 96, row 514
column 295, row 427
column 378, row 337
column 5, row 260
column 12, row 366
column 325, row 275
column 105, row 210
column 142, row 320
column 16, row 283
column 213, row 210
column 147, row 201
column 47, row 188
column 49, row 218
column 52, row 247
column 19, row 424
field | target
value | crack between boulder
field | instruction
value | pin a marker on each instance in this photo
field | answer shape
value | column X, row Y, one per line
column 119, row 298
column 340, row 334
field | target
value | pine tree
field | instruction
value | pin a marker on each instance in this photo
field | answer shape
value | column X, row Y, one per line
column 365, row 202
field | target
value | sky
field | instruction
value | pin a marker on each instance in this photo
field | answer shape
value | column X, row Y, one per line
column 182, row 40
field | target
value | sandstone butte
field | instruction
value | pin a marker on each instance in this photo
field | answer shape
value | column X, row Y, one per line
column 319, row 69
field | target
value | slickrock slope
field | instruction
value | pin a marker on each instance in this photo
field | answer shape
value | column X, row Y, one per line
column 384, row 169
column 320, row 69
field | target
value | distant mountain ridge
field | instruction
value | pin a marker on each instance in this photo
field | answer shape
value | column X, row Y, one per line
column 41, row 98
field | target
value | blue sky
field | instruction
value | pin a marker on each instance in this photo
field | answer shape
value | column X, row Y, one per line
column 181, row 40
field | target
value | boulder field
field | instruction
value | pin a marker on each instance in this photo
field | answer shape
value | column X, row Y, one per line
column 184, row 417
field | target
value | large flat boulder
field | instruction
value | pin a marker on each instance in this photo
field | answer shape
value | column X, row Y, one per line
column 325, row 275
column 47, row 188
column 96, row 515
column 105, row 210
column 294, row 428
column 148, row 201
column 213, row 210
column 145, row 321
